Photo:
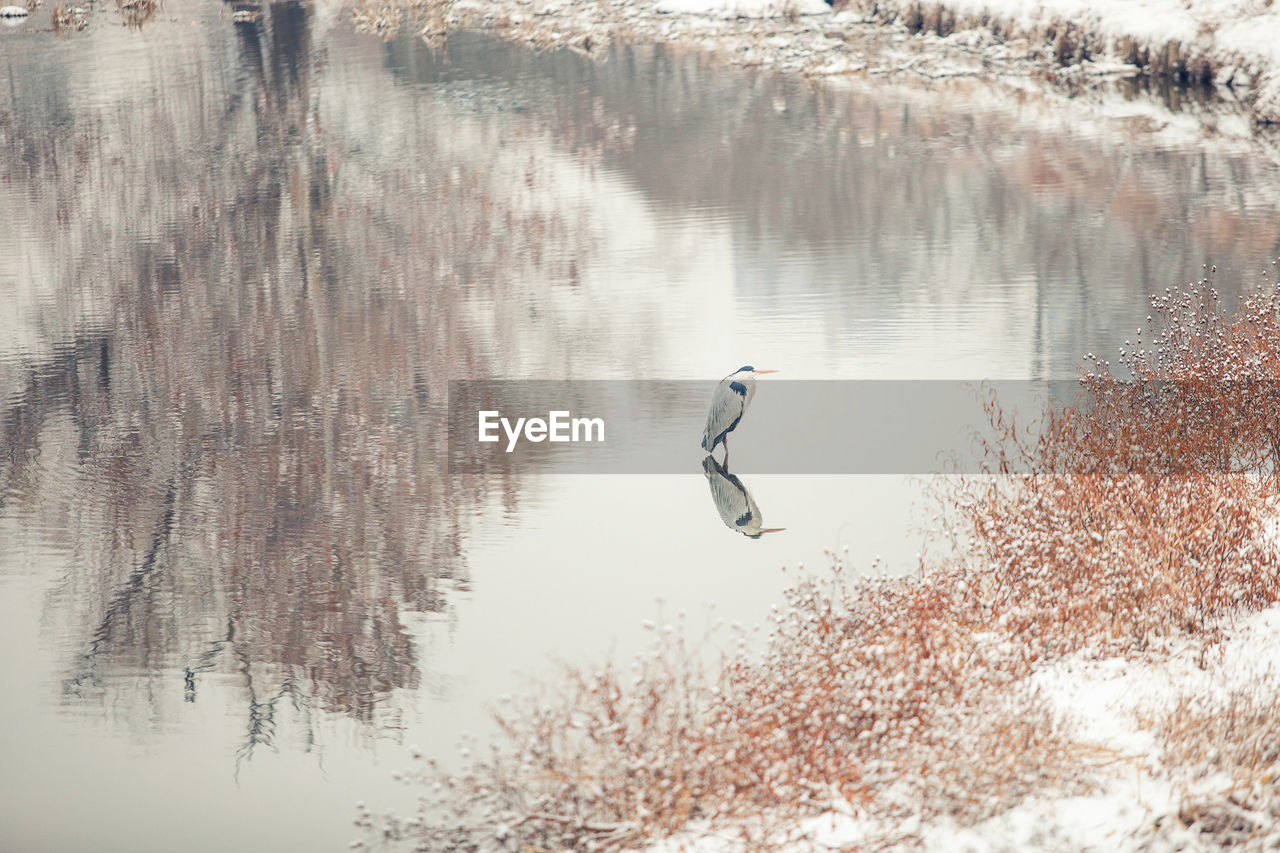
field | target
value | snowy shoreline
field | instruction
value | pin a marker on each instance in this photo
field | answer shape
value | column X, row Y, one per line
column 1144, row 798
column 1233, row 45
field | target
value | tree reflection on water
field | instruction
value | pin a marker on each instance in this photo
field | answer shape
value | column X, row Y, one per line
column 242, row 437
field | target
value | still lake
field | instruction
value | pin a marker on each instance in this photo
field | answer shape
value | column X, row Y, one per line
column 239, row 265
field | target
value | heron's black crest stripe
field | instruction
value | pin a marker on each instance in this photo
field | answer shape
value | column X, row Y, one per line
column 738, row 388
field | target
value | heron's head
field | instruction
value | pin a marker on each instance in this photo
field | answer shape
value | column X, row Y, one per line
column 753, row 371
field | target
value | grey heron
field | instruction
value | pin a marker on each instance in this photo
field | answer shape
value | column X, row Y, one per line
column 734, row 503
column 728, row 405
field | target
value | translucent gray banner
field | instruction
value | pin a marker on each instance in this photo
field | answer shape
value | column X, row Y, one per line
column 790, row 427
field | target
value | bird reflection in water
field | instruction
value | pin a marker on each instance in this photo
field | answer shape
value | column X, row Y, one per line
column 737, row 509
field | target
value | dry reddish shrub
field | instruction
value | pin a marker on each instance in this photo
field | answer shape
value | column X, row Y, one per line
column 1147, row 503
column 427, row 18
column 853, row 671
column 887, row 694
column 1144, row 513
column 868, row 692
column 1074, row 559
column 1201, row 398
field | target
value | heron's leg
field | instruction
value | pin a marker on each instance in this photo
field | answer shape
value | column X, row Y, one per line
column 725, row 440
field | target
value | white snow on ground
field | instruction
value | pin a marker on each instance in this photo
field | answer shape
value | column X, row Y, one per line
column 1106, row 705
column 744, row 8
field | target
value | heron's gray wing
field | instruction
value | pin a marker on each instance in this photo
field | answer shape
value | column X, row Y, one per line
column 726, row 409
column 732, row 500
column 751, row 521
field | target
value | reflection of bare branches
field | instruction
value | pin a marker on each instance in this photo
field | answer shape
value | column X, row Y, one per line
column 137, row 12
column 261, row 723
column 73, row 18
column 132, row 599
column 426, row 18
column 250, row 457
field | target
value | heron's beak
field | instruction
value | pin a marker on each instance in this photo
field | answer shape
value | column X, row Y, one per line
column 773, row 530
column 761, row 372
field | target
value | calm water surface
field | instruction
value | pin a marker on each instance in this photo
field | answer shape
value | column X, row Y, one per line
column 239, row 265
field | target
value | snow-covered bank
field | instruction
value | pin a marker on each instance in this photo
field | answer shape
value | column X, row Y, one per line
column 1152, row 713
column 1163, row 776
column 1232, row 43
column 792, row 36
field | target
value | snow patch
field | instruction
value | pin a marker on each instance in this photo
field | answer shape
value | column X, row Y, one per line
column 744, row 8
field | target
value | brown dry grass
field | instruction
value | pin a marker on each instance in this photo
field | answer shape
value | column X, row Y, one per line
column 1083, row 559
column 1144, row 515
column 427, row 18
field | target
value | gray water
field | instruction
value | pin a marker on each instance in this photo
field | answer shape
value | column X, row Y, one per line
column 239, row 266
